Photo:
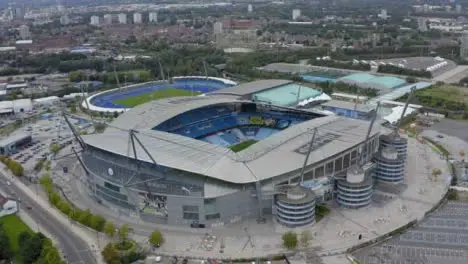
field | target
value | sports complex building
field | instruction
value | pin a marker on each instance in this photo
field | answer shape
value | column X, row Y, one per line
column 229, row 155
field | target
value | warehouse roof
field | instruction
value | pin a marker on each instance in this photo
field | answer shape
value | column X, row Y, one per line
column 13, row 139
column 334, row 135
column 251, row 87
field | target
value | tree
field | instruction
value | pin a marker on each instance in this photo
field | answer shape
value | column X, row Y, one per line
column 6, row 252
column 124, row 230
column 54, row 148
column 109, row 229
column 64, row 207
column 54, row 198
column 97, row 222
column 76, row 76
column 156, row 238
column 31, row 248
column 410, row 79
column 111, row 254
column 306, row 237
column 452, row 195
column 85, row 217
column 289, row 240
column 73, row 109
column 436, row 172
column 49, row 254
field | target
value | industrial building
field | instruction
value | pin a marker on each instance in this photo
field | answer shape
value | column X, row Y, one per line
column 11, row 144
column 350, row 110
column 46, row 101
column 16, row 106
column 137, row 18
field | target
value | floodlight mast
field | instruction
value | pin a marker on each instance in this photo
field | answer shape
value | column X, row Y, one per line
column 307, row 155
column 410, row 95
column 75, row 133
column 206, row 71
column 369, row 130
column 116, row 77
column 161, row 70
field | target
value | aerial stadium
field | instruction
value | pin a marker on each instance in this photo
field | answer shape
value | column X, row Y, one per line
column 124, row 98
column 223, row 158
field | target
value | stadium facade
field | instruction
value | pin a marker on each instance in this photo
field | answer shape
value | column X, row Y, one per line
column 169, row 161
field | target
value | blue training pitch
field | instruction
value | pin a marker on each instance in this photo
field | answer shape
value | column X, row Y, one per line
column 201, row 85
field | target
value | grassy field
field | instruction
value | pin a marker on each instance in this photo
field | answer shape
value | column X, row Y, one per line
column 14, row 227
column 144, row 98
column 447, row 92
column 243, row 145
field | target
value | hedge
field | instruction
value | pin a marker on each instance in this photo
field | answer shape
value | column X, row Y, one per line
column 85, row 217
column 439, row 147
column 15, row 167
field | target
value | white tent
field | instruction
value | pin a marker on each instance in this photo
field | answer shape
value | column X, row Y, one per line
column 396, row 114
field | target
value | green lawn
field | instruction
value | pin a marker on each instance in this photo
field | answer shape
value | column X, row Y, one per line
column 14, row 227
column 447, row 92
column 243, row 145
column 144, row 98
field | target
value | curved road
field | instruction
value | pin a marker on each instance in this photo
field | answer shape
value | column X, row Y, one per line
column 75, row 250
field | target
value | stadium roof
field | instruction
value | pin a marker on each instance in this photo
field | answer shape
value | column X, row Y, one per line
column 149, row 115
column 334, row 135
column 349, row 106
column 252, row 87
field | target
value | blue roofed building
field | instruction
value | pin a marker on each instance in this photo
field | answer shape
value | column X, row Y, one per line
column 350, row 110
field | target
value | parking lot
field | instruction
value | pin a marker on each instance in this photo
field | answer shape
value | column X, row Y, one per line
column 44, row 133
column 440, row 238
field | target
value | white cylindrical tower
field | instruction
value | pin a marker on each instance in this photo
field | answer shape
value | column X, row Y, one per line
column 390, row 165
column 356, row 190
column 295, row 207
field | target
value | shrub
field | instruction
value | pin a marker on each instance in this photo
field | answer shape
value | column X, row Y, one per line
column 84, row 217
column 289, row 240
column 15, row 167
column 452, row 195
column 156, row 238
column 306, row 237
column 39, row 165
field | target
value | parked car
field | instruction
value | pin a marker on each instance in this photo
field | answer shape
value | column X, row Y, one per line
column 196, row 224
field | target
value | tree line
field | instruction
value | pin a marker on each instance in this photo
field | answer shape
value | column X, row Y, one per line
column 34, row 248
column 15, row 167
column 121, row 249
column 403, row 71
column 342, row 65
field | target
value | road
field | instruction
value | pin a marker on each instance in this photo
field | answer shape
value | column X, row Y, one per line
column 75, row 250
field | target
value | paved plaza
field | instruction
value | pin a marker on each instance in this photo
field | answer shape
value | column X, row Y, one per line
column 440, row 238
column 455, row 135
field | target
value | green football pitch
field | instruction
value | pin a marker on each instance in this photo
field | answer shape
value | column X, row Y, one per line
column 243, row 145
column 144, row 98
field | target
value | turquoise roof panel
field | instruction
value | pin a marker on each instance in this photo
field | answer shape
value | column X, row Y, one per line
column 286, row 95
